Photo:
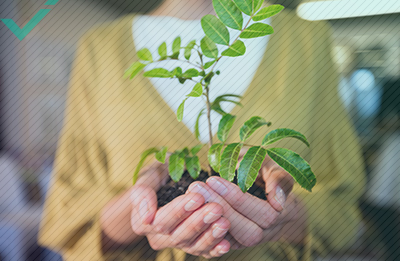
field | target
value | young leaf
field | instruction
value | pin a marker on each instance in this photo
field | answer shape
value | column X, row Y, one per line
column 250, row 166
column 190, row 73
column 209, row 48
column 250, row 126
column 279, row 134
column 229, row 161
column 209, row 64
column 214, row 156
column 176, row 166
column 236, row 49
column 145, row 55
column 134, row 69
column 257, row 5
column 228, row 13
column 188, row 49
column 179, row 113
column 143, row 157
column 162, row 50
column 197, row 91
column 267, row 12
column 176, row 45
column 215, row 29
column 159, row 73
column 193, row 166
column 295, row 165
column 162, row 154
column 177, row 72
column 225, row 126
column 257, row 30
column 196, row 149
column 196, row 126
column 183, row 153
column 245, row 6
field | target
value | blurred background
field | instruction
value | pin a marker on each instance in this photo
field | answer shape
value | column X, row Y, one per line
column 34, row 75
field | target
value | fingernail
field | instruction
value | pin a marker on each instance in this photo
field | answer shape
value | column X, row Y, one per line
column 211, row 217
column 143, row 209
column 217, row 186
column 219, row 232
column 197, row 188
column 280, row 196
column 191, row 205
column 222, row 251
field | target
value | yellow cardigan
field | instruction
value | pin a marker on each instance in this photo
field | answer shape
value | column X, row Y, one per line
column 109, row 121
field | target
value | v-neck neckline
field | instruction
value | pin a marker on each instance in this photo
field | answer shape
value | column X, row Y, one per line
column 233, row 111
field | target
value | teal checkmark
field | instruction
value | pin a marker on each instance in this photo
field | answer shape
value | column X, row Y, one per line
column 51, row 2
column 21, row 33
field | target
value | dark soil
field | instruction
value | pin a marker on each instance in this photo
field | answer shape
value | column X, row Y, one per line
column 173, row 190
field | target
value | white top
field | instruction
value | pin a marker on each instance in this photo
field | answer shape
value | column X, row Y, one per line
column 236, row 73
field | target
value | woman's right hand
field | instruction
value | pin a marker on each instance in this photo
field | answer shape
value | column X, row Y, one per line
column 185, row 223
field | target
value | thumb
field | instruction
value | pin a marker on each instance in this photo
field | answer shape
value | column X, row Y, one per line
column 278, row 185
column 144, row 206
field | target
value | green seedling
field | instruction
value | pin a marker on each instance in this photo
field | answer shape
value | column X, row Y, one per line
column 222, row 157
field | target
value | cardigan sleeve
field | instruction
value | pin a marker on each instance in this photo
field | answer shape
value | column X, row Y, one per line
column 78, row 190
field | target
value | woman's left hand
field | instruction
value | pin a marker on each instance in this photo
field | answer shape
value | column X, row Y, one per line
column 281, row 216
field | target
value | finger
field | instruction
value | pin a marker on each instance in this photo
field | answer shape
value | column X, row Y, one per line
column 255, row 209
column 211, row 238
column 278, row 184
column 144, row 208
column 169, row 216
column 198, row 222
column 222, row 248
column 245, row 231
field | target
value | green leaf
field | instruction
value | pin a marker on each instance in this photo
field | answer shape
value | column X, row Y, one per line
column 214, row 156
column 145, row 55
column 197, row 91
column 250, row 166
column 257, row 30
column 176, row 45
column 159, row 73
column 257, row 5
column 236, row 49
column 176, row 166
column 268, row 12
column 179, row 113
column 229, row 14
column 190, row 73
column 162, row 154
column 229, row 161
column 225, row 126
column 216, row 104
column 250, row 126
column 188, row 49
column 162, row 50
column 143, row 157
column 209, row 64
column 183, row 153
column 245, row 6
column 295, row 165
column 193, row 166
column 215, row 29
column 196, row 126
column 177, row 72
column 279, row 134
column 196, row 149
column 134, row 69
column 209, row 48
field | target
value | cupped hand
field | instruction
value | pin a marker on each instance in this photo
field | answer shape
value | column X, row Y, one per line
column 185, row 223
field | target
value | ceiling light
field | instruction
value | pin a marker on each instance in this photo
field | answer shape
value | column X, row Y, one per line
column 337, row 9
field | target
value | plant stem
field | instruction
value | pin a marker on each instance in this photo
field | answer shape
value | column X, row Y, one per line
column 210, row 142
